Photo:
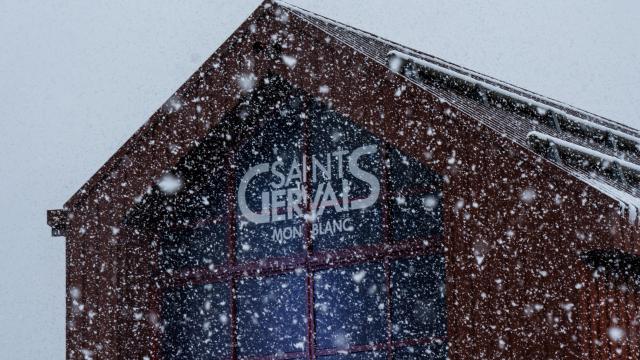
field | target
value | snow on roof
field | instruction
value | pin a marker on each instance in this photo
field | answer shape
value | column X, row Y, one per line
column 372, row 41
column 540, row 106
column 584, row 150
column 628, row 203
column 527, row 114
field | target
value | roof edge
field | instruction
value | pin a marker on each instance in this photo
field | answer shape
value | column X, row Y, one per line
column 147, row 127
column 514, row 90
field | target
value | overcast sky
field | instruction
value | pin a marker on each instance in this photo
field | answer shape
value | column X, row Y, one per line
column 77, row 78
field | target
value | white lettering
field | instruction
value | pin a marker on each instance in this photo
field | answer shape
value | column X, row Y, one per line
column 294, row 172
column 339, row 155
column 278, row 203
column 329, row 198
column 263, row 216
column 294, row 198
column 280, row 175
column 317, row 165
column 287, row 197
column 365, row 176
column 331, row 227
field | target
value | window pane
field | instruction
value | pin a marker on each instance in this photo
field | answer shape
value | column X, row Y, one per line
column 408, row 173
column 272, row 315
column 194, row 228
column 365, row 355
column 416, row 204
column 416, row 216
column 345, row 173
column 269, row 185
column 418, row 298
column 426, row 352
column 350, row 306
column 189, row 248
column 196, row 323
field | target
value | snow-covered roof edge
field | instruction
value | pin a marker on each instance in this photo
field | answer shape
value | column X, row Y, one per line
column 629, row 204
column 542, row 107
column 584, row 150
column 505, row 88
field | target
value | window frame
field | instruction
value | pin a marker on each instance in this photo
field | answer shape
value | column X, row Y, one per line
column 385, row 252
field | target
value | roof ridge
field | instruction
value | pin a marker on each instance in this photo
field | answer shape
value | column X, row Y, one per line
column 525, row 106
column 514, row 89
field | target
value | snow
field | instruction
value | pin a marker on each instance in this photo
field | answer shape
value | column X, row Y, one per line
column 546, row 47
column 508, row 92
column 290, row 61
column 628, row 203
column 79, row 78
column 246, row 82
column 528, row 195
column 359, row 276
column 584, row 150
column 616, row 333
column 170, row 184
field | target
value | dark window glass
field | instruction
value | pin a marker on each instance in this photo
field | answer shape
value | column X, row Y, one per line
column 435, row 351
column 345, row 173
column 408, row 173
column 192, row 248
column 194, row 228
column 350, row 306
column 416, row 199
column 418, row 298
column 272, row 315
column 416, row 216
column 366, row 355
column 269, row 184
column 196, row 323
column 348, row 171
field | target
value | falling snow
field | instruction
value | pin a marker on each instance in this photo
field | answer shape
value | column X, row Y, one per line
column 297, row 200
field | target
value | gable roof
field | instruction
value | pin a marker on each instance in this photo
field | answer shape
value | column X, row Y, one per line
column 528, row 119
column 522, row 116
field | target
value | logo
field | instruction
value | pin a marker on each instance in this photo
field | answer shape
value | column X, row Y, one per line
column 285, row 197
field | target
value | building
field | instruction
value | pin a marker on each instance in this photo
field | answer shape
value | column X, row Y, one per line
column 316, row 192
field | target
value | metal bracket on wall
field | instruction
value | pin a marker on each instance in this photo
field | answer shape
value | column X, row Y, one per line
column 58, row 219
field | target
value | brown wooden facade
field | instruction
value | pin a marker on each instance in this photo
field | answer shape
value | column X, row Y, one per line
column 519, row 282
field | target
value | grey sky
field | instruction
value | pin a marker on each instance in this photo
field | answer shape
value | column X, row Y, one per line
column 78, row 78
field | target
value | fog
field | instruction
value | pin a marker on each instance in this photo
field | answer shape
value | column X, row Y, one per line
column 77, row 79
